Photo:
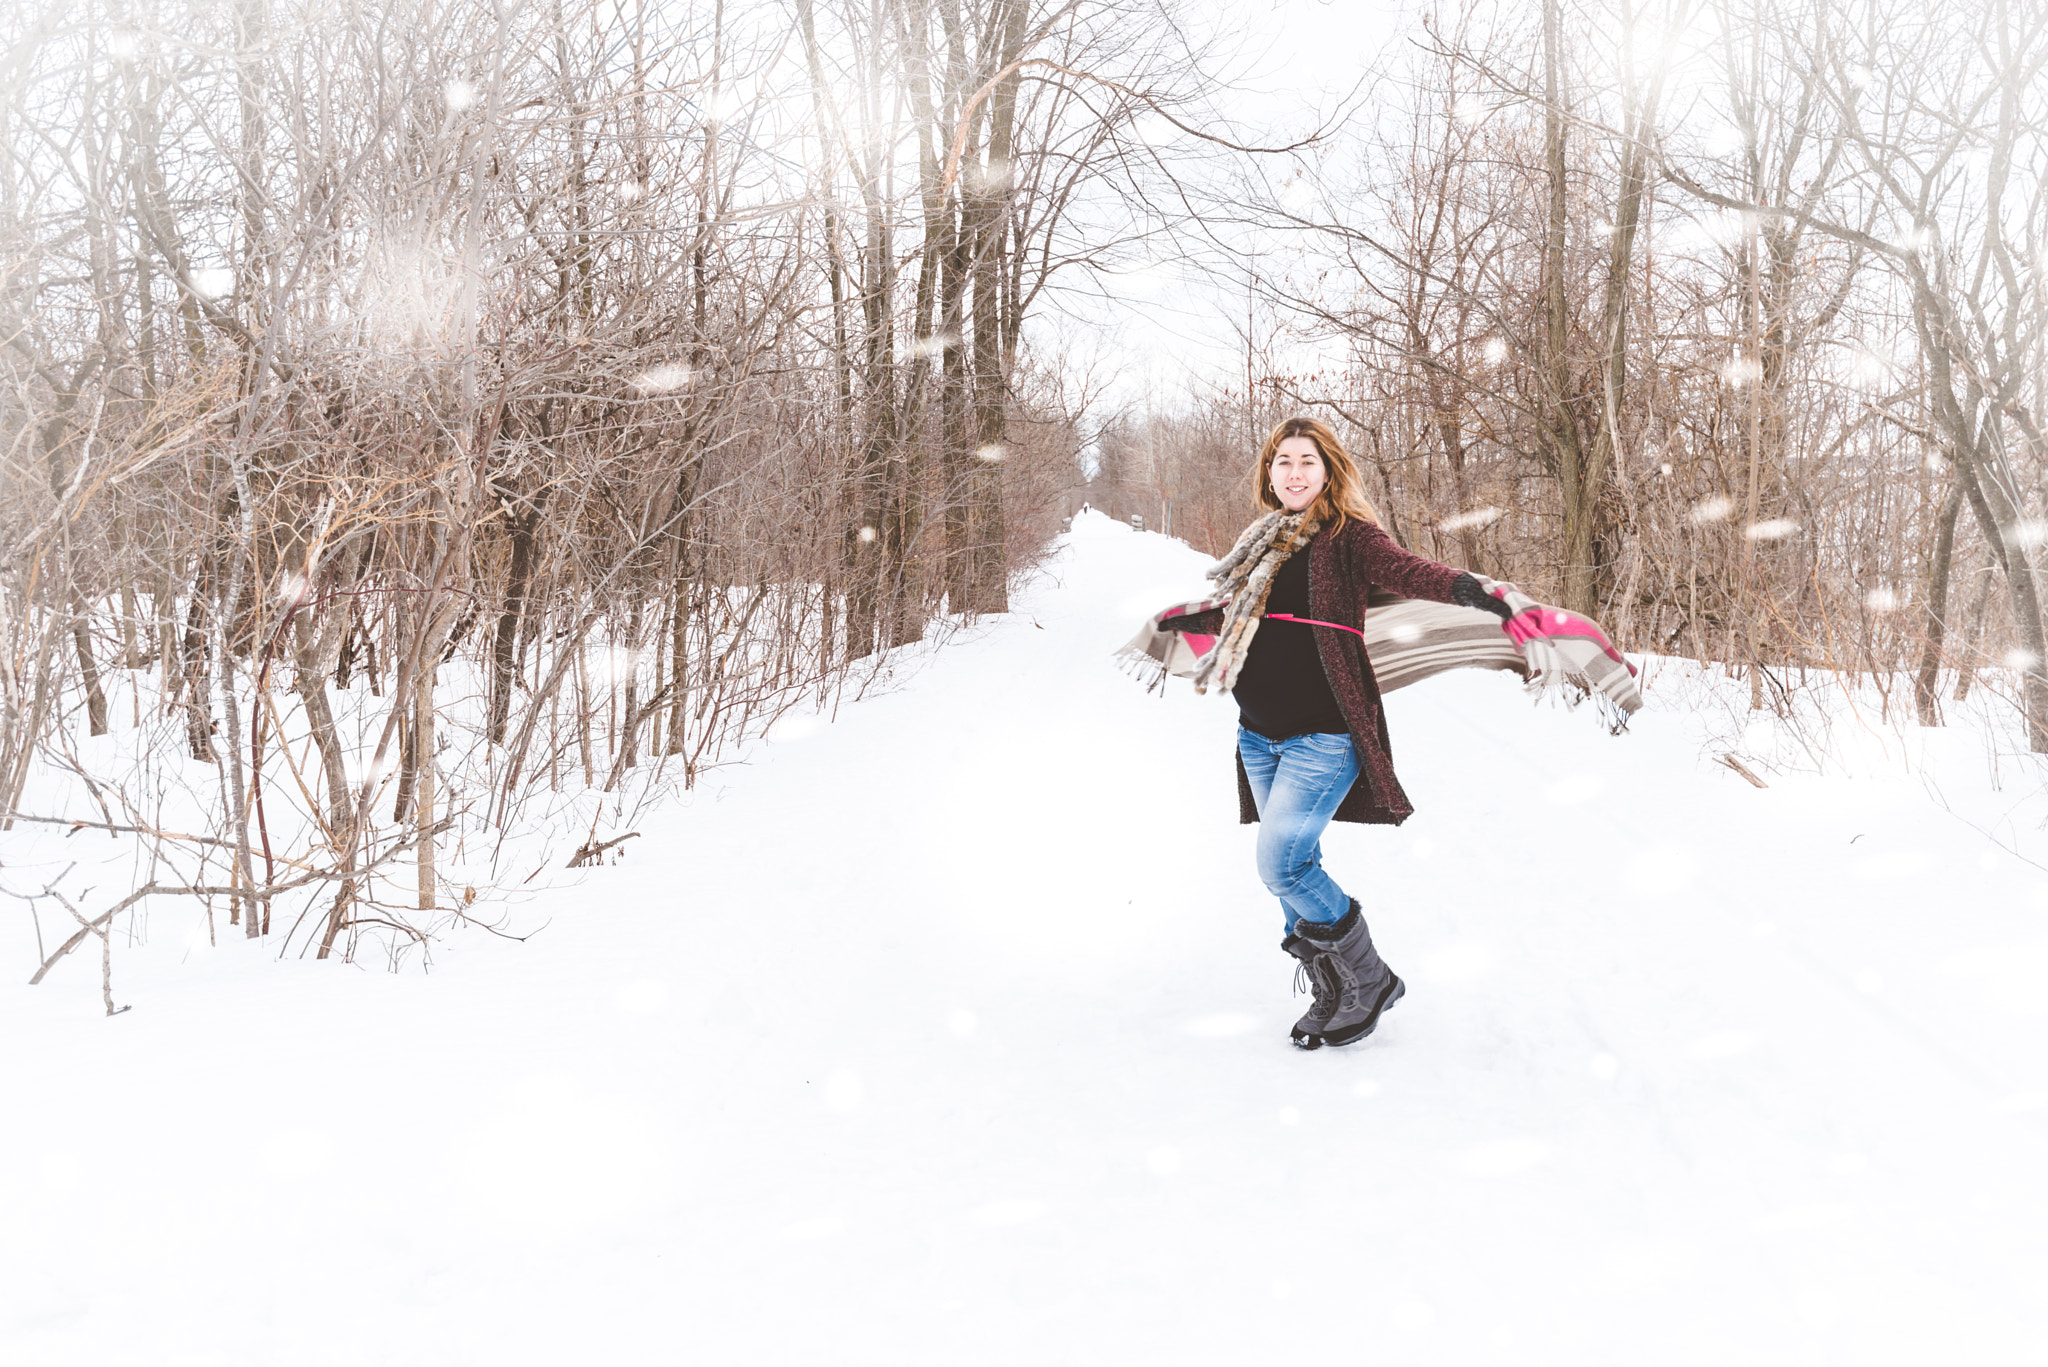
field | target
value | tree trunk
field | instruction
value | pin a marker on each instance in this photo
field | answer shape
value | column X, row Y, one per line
column 423, row 802
column 629, row 742
column 683, row 595
column 310, row 682
column 1996, row 508
column 1560, row 424
column 583, row 713
column 680, row 607
column 242, row 905
column 989, row 203
column 1453, row 439
column 88, row 670
column 955, row 435
column 131, row 648
column 1582, row 587
column 1937, row 605
column 504, row 645
column 408, row 767
column 198, row 687
column 1979, row 601
column 904, row 566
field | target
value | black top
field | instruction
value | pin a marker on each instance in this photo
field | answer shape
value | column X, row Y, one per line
column 1282, row 691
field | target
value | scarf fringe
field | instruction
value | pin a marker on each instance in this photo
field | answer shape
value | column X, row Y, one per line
column 1148, row 669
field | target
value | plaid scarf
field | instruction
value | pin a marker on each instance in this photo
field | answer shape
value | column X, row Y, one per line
column 1408, row 640
column 1244, row 579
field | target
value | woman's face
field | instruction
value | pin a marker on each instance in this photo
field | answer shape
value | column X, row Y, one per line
column 1298, row 473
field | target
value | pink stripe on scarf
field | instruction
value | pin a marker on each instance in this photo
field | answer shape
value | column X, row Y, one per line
column 1551, row 622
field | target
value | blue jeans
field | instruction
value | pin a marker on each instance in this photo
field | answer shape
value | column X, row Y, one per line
column 1298, row 784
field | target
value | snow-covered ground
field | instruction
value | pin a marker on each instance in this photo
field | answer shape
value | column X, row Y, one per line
column 955, row 1032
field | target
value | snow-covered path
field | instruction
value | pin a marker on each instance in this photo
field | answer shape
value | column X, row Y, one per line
column 955, row 1032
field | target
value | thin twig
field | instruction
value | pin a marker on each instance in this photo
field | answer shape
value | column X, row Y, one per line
column 1739, row 767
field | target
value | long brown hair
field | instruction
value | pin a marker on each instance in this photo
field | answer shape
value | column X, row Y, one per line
column 1343, row 494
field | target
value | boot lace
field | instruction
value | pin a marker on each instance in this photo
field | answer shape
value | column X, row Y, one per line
column 1321, row 981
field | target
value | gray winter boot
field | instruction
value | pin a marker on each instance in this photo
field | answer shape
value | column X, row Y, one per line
column 1363, row 984
column 1308, row 1031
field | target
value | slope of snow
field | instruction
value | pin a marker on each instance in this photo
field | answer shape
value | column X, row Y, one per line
column 955, row 1031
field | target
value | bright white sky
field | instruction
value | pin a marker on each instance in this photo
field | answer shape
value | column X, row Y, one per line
column 1300, row 59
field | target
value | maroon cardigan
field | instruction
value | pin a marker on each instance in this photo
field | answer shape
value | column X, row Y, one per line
column 1343, row 567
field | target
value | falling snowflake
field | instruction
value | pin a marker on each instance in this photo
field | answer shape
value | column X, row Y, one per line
column 1881, row 600
column 459, row 94
column 1725, row 140
column 1154, row 130
column 663, row 378
column 1741, row 370
column 1775, row 529
column 726, row 105
column 1496, row 351
column 1473, row 518
column 2028, row 534
column 1715, row 509
column 991, row 452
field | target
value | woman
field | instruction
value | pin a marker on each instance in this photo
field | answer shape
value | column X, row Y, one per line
column 1312, row 738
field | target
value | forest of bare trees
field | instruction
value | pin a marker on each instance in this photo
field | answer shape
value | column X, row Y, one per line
column 419, row 418
column 415, row 412
column 1721, row 322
